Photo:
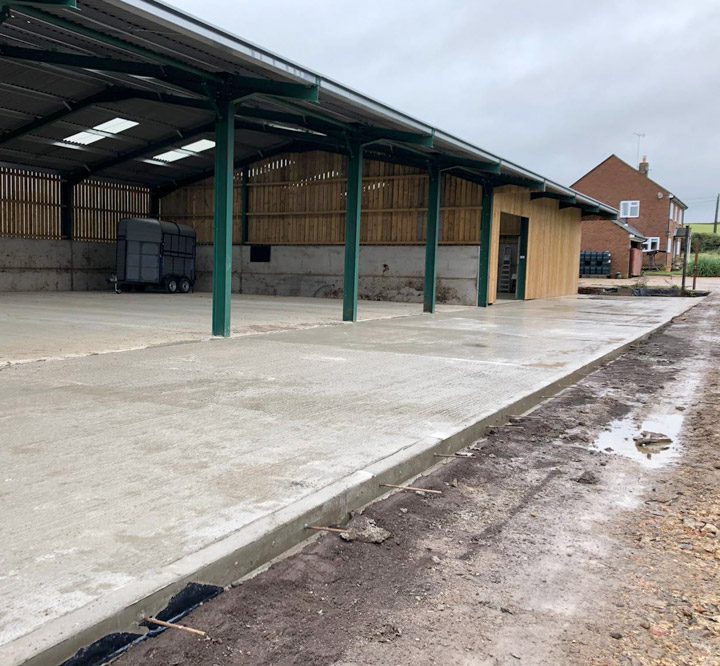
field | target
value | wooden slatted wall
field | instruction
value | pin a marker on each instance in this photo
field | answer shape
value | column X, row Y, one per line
column 29, row 204
column 299, row 199
column 100, row 204
column 193, row 205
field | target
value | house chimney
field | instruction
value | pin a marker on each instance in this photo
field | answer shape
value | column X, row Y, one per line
column 644, row 167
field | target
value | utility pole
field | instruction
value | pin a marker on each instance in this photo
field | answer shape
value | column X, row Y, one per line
column 717, row 206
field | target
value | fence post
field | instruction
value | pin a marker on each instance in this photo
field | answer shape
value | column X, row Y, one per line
column 67, row 209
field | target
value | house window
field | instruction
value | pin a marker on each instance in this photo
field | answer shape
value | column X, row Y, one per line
column 629, row 209
column 651, row 244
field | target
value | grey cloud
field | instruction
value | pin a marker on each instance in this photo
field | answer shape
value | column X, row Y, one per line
column 556, row 86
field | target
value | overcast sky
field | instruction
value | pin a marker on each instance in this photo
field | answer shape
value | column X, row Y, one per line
column 555, row 86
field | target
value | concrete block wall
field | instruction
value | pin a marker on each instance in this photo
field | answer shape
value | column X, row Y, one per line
column 55, row 265
column 203, row 268
column 387, row 272
column 392, row 272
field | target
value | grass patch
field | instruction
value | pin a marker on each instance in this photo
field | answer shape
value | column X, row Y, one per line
column 703, row 228
column 708, row 265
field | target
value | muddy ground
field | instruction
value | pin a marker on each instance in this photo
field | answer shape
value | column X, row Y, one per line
column 517, row 562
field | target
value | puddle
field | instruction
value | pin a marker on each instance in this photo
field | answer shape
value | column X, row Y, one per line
column 622, row 433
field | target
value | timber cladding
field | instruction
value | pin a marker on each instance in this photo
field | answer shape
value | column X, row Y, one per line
column 31, row 206
column 299, row 199
column 100, row 204
column 553, row 243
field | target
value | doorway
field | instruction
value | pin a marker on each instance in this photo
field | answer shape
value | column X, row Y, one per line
column 512, row 257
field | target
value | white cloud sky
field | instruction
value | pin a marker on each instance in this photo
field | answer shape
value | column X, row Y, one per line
column 555, row 86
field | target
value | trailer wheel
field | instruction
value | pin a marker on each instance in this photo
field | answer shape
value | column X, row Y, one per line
column 171, row 285
column 185, row 285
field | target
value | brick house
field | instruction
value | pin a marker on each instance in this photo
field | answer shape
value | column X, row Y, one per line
column 622, row 240
column 646, row 209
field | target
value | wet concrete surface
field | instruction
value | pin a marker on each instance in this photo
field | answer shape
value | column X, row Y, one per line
column 54, row 325
column 119, row 467
column 516, row 561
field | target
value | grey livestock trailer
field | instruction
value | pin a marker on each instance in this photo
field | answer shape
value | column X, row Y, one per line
column 154, row 253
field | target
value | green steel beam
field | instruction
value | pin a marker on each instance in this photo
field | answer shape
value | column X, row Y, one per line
column 301, row 119
column 239, row 87
column 164, row 98
column 67, row 210
column 372, row 134
column 117, row 43
column 58, row 4
column 169, row 74
column 585, row 209
column 478, row 165
column 443, row 162
column 294, row 107
column 381, row 154
column 310, row 137
column 486, row 235
column 522, row 259
column 362, row 134
column 223, row 219
column 109, row 95
column 234, row 86
column 68, row 109
column 532, row 185
column 358, row 132
column 245, row 202
column 431, row 238
column 563, row 198
column 352, row 232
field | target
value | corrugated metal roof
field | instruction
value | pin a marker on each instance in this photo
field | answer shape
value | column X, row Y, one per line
column 146, row 33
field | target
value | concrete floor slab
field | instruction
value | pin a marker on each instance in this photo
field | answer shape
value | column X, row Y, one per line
column 704, row 283
column 49, row 325
column 126, row 472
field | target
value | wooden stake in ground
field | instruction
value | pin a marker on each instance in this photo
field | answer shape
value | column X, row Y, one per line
column 172, row 625
column 411, row 488
column 322, row 528
column 696, row 249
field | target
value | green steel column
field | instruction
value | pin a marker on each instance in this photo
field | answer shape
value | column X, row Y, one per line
column 431, row 240
column 155, row 205
column 245, row 202
column 67, row 209
column 486, row 234
column 352, row 233
column 223, row 222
